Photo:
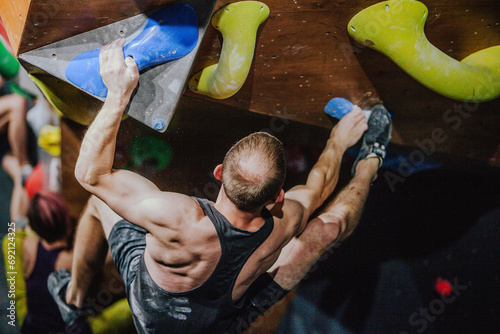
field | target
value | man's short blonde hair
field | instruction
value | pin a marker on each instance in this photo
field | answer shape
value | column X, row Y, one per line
column 253, row 171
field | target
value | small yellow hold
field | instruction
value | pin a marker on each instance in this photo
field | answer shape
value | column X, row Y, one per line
column 396, row 29
column 238, row 22
column 50, row 139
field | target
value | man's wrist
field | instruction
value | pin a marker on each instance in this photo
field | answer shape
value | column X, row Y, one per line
column 117, row 100
column 337, row 145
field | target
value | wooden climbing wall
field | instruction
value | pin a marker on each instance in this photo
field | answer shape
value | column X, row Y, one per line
column 304, row 57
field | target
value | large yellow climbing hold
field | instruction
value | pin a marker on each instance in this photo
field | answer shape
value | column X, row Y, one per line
column 396, row 28
column 238, row 22
column 67, row 100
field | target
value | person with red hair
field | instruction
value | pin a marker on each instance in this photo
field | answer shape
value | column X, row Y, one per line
column 48, row 250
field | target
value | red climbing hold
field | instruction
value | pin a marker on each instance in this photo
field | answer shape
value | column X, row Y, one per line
column 443, row 287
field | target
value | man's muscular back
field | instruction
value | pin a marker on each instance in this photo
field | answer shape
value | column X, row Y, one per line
column 182, row 258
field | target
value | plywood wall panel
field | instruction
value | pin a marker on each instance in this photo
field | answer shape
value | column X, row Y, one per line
column 304, row 57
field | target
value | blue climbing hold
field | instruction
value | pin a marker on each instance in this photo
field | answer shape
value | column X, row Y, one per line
column 158, row 124
column 170, row 33
column 338, row 107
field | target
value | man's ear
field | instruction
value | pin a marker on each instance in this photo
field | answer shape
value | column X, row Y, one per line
column 218, row 172
column 280, row 197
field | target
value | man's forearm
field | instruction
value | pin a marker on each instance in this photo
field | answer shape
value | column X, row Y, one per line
column 98, row 146
column 325, row 173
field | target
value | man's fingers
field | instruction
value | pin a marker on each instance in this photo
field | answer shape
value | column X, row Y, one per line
column 107, row 47
column 132, row 66
column 104, row 53
column 118, row 74
column 356, row 108
column 356, row 114
column 119, row 43
column 129, row 61
column 113, row 51
column 102, row 57
column 116, row 50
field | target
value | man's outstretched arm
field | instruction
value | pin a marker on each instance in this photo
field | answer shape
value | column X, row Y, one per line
column 128, row 194
column 325, row 173
column 333, row 225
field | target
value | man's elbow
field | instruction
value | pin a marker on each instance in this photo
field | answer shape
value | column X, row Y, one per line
column 84, row 178
column 335, row 228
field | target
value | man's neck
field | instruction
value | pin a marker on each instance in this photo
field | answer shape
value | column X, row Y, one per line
column 250, row 221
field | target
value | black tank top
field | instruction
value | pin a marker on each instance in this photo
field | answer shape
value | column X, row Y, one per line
column 206, row 308
column 43, row 314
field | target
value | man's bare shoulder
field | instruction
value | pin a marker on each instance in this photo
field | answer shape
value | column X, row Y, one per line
column 170, row 209
column 288, row 214
column 292, row 208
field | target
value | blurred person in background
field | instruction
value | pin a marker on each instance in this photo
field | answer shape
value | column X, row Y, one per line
column 13, row 126
column 44, row 251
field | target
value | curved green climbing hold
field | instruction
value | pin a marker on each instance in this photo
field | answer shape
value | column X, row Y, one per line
column 9, row 66
column 151, row 151
column 396, row 29
column 15, row 88
column 238, row 22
